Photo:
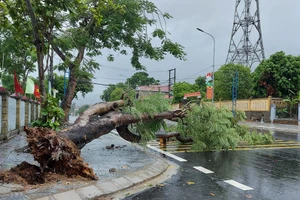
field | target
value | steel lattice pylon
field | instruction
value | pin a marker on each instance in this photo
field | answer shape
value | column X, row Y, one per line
column 247, row 32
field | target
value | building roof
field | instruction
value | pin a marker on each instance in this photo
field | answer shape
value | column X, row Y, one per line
column 153, row 88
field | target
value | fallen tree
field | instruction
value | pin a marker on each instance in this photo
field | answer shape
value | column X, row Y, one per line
column 208, row 127
column 59, row 151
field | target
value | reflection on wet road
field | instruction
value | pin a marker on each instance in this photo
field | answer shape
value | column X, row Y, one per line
column 267, row 173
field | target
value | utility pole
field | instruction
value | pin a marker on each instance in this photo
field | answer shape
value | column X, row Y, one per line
column 235, row 82
column 50, row 81
column 243, row 49
column 1, row 70
column 172, row 80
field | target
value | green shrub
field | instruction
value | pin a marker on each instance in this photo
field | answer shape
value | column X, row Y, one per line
column 255, row 138
column 51, row 114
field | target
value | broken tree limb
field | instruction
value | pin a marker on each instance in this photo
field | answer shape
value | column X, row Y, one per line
column 81, row 135
column 126, row 134
column 98, row 109
column 184, row 139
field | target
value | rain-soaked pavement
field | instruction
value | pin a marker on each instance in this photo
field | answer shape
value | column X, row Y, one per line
column 272, row 173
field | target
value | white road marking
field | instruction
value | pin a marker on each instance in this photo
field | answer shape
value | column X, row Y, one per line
column 167, row 154
column 238, row 185
column 204, row 170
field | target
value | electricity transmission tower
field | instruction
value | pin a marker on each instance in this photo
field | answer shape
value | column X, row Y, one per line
column 246, row 44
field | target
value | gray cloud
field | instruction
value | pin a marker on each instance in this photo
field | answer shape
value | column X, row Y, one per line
column 279, row 20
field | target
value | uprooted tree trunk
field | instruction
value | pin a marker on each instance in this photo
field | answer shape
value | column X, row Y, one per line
column 59, row 151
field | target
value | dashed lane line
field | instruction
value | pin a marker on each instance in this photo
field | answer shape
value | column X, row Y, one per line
column 238, row 185
column 167, row 154
column 204, row 170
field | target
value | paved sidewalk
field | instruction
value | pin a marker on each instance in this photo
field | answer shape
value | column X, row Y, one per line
column 276, row 127
column 131, row 164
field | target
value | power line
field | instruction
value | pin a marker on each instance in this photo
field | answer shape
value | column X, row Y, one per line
column 128, row 70
column 195, row 74
column 109, row 78
column 101, row 84
column 198, row 73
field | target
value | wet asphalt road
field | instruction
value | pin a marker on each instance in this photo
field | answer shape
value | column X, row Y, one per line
column 272, row 173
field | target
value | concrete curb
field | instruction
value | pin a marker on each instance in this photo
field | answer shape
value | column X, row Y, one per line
column 100, row 189
column 284, row 128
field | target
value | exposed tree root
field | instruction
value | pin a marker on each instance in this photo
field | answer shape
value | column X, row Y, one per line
column 56, row 153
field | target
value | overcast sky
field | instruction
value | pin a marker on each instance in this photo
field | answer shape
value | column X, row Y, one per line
column 280, row 29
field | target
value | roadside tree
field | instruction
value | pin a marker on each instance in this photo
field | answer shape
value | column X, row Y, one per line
column 181, row 88
column 277, row 76
column 223, row 82
column 201, row 83
column 140, row 79
column 79, row 30
column 16, row 53
column 114, row 92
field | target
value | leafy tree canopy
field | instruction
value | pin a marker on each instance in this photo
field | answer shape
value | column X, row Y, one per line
column 119, row 87
column 80, row 30
column 140, row 79
column 201, row 83
column 181, row 88
column 224, row 78
column 114, row 92
column 277, row 76
column 106, row 93
column 16, row 54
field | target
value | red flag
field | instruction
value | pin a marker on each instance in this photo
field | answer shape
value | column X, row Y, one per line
column 37, row 92
column 18, row 88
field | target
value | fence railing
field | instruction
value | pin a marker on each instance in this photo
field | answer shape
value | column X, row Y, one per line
column 16, row 112
column 259, row 104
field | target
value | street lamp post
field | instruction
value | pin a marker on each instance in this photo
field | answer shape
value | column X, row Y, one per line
column 214, row 53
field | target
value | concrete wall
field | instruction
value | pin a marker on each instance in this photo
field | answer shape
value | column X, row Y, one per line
column 258, row 116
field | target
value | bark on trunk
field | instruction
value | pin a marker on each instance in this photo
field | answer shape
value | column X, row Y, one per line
column 98, row 126
column 39, row 48
column 67, row 101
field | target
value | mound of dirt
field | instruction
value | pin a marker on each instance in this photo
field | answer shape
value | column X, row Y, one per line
column 27, row 174
column 24, row 174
